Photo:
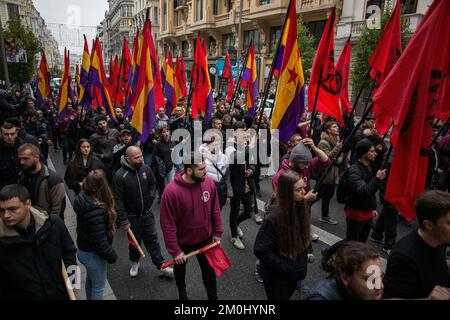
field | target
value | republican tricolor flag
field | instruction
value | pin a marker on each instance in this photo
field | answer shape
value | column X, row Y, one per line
column 250, row 81
column 43, row 81
column 65, row 93
column 169, row 85
column 290, row 96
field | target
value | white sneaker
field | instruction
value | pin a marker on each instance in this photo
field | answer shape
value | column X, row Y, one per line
column 167, row 272
column 237, row 243
column 134, row 269
column 314, row 237
column 258, row 218
column 240, row 232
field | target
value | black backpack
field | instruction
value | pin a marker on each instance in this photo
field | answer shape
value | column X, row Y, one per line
column 342, row 189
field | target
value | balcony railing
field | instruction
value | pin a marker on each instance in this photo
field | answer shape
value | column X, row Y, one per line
column 312, row 5
column 356, row 27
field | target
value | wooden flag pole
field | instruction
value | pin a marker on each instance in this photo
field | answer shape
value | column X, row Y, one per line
column 314, row 111
column 194, row 253
column 238, row 84
column 133, row 238
column 67, row 282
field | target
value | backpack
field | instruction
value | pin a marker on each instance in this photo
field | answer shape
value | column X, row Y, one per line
column 342, row 189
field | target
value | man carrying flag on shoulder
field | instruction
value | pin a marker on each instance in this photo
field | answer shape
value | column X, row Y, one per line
column 190, row 219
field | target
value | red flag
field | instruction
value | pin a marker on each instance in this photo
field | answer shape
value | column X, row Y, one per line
column 382, row 61
column 412, row 95
column 230, row 89
column 343, row 77
column 183, row 77
column 115, row 88
column 328, row 98
column 200, row 81
column 227, row 68
column 218, row 260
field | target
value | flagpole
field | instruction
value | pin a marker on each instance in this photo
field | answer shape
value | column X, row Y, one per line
column 439, row 132
column 238, row 84
column 269, row 79
column 346, row 142
column 314, row 111
column 194, row 253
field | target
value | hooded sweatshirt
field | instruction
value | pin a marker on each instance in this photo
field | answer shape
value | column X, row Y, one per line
column 189, row 213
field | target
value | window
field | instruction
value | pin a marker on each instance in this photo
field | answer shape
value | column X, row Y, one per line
column 254, row 35
column 185, row 48
column 261, row 2
column 155, row 15
column 408, row 6
column 227, row 42
column 229, row 5
column 316, row 29
column 215, row 7
column 13, row 11
column 199, row 11
column 275, row 35
column 165, row 15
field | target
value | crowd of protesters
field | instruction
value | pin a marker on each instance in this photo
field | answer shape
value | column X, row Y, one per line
column 116, row 179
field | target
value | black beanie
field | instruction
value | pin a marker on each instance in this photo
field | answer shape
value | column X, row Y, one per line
column 362, row 147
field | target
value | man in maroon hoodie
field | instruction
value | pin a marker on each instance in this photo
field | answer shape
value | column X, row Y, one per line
column 190, row 219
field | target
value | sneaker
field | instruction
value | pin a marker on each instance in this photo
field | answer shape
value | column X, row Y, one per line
column 328, row 220
column 257, row 276
column 167, row 272
column 258, row 218
column 240, row 232
column 237, row 243
column 387, row 251
column 134, row 269
column 376, row 240
column 314, row 237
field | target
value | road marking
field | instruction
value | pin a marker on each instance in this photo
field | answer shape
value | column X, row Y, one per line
column 109, row 293
column 325, row 236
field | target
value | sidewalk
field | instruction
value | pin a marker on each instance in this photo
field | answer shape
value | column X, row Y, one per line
column 70, row 220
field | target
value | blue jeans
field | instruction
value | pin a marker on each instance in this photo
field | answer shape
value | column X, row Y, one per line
column 148, row 158
column 95, row 274
column 169, row 176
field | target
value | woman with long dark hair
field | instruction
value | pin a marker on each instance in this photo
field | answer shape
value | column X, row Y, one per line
column 83, row 163
column 96, row 218
column 283, row 240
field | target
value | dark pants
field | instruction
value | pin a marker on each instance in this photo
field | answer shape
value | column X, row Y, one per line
column 208, row 274
column 68, row 146
column 358, row 230
column 109, row 171
column 143, row 228
column 279, row 291
column 248, row 201
column 326, row 193
column 387, row 225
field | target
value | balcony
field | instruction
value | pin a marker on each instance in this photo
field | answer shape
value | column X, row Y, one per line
column 414, row 20
column 315, row 5
column 223, row 19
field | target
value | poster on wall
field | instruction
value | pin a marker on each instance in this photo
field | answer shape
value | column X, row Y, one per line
column 15, row 51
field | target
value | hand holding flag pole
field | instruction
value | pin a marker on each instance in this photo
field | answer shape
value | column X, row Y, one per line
column 314, row 112
column 135, row 243
column 193, row 253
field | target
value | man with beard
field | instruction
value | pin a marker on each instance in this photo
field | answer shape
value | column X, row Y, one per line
column 190, row 219
column 102, row 144
column 121, row 122
column 46, row 188
column 134, row 191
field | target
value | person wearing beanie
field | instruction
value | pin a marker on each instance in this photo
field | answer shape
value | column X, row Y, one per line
column 302, row 161
column 361, row 185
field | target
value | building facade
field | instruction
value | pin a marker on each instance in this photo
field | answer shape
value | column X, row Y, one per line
column 120, row 25
column 31, row 18
column 141, row 7
column 217, row 21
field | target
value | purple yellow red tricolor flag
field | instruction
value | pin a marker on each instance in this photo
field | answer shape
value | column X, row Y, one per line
column 98, row 81
column 169, row 86
column 250, row 81
column 132, row 77
column 65, row 92
column 84, row 98
column 143, row 105
column 290, row 96
column 43, row 81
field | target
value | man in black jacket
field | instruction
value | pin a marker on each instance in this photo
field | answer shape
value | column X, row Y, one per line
column 361, row 187
column 134, row 191
column 9, row 160
column 32, row 249
column 241, row 177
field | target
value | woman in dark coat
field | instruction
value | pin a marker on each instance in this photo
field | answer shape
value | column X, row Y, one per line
column 83, row 163
column 283, row 240
column 96, row 220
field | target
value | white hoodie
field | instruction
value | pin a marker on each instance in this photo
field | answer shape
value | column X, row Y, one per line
column 220, row 160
